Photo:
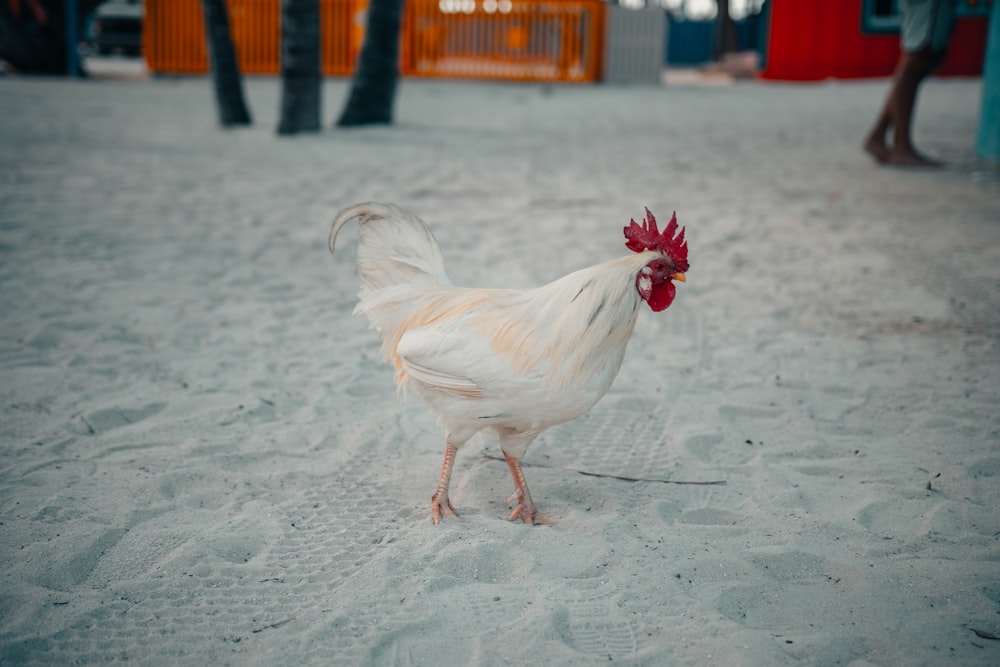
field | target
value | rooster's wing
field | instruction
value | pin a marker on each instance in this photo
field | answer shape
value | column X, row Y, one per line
column 459, row 362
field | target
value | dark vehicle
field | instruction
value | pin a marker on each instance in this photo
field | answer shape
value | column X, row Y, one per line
column 116, row 27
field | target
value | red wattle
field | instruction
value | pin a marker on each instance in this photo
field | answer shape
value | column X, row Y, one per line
column 661, row 296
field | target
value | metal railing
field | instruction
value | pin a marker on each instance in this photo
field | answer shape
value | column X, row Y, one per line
column 518, row 40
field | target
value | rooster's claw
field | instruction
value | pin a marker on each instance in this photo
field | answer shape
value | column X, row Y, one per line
column 445, row 508
column 530, row 515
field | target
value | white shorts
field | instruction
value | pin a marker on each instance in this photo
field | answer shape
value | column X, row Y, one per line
column 926, row 23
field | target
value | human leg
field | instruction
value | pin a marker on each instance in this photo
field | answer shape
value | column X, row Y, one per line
column 926, row 27
column 915, row 67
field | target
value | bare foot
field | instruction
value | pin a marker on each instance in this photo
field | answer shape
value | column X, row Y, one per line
column 911, row 158
column 875, row 146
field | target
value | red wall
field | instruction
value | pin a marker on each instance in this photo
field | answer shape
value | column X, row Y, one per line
column 811, row 40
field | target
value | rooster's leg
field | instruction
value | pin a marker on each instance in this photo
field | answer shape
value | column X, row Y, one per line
column 525, row 509
column 440, row 503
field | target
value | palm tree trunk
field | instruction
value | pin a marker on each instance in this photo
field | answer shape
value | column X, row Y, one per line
column 300, row 67
column 374, row 88
column 725, row 40
column 225, row 70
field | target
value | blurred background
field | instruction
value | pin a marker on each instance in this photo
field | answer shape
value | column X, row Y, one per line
column 578, row 41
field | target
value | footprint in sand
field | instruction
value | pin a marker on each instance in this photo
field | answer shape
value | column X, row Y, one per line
column 476, row 564
column 715, row 450
column 702, row 445
column 710, row 516
column 988, row 466
column 108, row 419
column 787, row 583
column 623, row 437
column 793, row 566
column 585, row 620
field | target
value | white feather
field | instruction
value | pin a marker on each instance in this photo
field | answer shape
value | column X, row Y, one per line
column 514, row 361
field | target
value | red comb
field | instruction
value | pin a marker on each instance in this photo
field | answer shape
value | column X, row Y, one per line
column 648, row 237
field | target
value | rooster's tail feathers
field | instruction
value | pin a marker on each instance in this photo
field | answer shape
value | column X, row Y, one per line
column 395, row 248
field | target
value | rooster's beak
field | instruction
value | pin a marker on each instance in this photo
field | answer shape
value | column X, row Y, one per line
column 679, row 277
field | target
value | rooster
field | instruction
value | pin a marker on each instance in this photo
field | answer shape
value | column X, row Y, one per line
column 515, row 362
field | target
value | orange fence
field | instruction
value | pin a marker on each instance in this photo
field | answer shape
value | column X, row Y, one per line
column 521, row 40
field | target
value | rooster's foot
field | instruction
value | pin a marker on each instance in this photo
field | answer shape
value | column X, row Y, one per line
column 528, row 514
column 440, row 502
column 441, row 505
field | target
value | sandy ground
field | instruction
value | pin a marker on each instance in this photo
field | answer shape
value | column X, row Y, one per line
column 203, row 460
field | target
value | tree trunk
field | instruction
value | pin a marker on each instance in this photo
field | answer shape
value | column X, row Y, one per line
column 725, row 40
column 300, row 67
column 374, row 88
column 225, row 70
column 33, row 34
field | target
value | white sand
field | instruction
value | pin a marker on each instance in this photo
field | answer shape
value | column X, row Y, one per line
column 204, row 462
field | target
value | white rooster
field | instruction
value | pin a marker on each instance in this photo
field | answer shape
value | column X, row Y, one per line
column 513, row 361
